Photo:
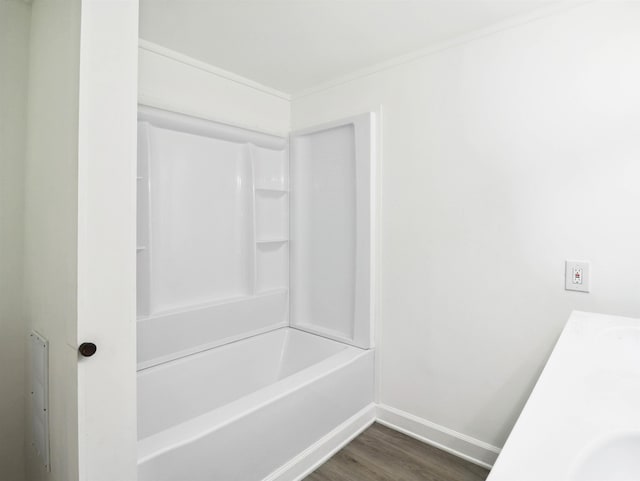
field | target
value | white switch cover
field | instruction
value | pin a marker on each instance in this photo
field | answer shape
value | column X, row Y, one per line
column 576, row 277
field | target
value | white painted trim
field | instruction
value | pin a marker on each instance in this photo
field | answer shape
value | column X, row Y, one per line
column 312, row 457
column 537, row 14
column 517, row 21
column 559, row 7
column 377, row 252
column 192, row 62
column 458, row 444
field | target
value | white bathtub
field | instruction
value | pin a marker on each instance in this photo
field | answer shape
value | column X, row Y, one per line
column 244, row 410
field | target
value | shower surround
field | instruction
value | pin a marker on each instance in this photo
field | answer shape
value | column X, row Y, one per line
column 255, row 347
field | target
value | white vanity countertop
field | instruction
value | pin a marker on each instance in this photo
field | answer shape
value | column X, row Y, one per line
column 582, row 420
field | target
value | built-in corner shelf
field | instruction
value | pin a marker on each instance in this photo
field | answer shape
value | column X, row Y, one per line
column 271, row 241
column 275, row 190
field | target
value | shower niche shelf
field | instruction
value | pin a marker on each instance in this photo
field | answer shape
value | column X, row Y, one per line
column 272, row 215
column 272, row 189
column 271, row 169
column 271, row 241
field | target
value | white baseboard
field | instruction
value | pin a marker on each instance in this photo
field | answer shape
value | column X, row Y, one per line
column 461, row 445
column 312, row 457
column 458, row 444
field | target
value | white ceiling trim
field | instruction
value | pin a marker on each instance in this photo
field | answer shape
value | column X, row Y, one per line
column 185, row 59
column 513, row 22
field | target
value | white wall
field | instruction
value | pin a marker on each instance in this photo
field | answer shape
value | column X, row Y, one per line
column 106, row 241
column 502, row 157
column 14, row 57
column 175, row 82
column 51, row 192
column 80, row 231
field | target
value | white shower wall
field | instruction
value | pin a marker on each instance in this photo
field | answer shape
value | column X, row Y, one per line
column 501, row 157
column 213, row 234
column 331, row 229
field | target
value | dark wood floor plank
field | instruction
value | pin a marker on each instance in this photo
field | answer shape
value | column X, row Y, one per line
column 441, row 464
column 389, row 459
column 357, row 469
column 382, row 454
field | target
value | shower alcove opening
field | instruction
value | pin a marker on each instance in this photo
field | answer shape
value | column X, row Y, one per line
column 255, row 347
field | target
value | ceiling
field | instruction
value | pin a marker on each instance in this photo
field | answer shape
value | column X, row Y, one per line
column 292, row 45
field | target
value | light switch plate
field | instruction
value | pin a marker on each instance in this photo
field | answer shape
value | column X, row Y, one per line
column 577, row 276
